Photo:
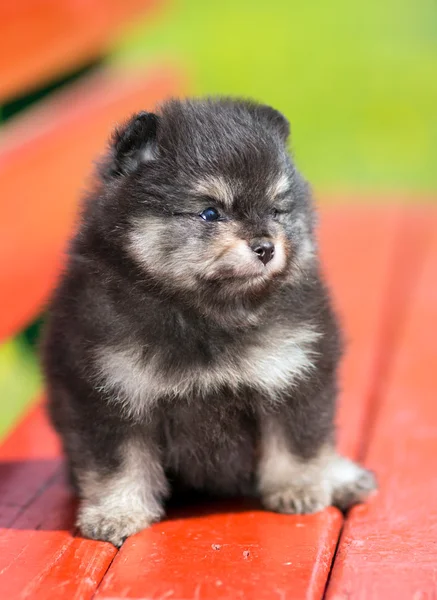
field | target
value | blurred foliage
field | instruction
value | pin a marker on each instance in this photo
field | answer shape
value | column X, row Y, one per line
column 19, row 379
column 358, row 82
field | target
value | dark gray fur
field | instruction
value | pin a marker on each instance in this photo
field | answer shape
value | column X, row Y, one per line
column 207, row 440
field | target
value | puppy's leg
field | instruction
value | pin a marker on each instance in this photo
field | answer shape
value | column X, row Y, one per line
column 117, row 504
column 292, row 478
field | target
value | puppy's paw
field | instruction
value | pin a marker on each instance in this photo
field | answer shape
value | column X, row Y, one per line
column 297, row 499
column 351, row 484
column 97, row 524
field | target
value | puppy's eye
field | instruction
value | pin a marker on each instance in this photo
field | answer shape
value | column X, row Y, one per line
column 210, row 214
column 276, row 213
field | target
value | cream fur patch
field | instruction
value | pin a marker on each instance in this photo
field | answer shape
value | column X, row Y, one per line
column 288, row 483
column 118, row 505
column 280, row 186
column 271, row 367
column 216, row 187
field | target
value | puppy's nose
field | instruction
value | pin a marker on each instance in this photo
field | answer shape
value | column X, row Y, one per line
column 264, row 249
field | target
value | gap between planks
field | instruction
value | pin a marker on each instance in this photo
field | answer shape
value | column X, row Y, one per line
column 412, row 240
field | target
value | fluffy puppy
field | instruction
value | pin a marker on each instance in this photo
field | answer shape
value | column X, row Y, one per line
column 191, row 343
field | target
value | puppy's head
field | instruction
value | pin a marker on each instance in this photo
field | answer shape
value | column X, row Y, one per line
column 208, row 198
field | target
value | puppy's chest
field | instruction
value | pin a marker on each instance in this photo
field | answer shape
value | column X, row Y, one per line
column 210, row 444
column 269, row 363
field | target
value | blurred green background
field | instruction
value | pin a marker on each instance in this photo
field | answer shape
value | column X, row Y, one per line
column 358, row 82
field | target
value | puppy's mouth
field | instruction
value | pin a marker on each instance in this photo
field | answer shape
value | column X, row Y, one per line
column 249, row 264
column 243, row 278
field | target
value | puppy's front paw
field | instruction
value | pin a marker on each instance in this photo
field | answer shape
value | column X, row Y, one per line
column 351, row 483
column 297, row 499
column 97, row 524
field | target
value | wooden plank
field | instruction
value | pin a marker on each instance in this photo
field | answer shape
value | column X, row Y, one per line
column 45, row 160
column 388, row 549
column 33, row 438
column 20, row 482
column 226, row 554
column 40, row 556
column 29, row 459
column 290, row 556
column 358, row 249
column 43, row 39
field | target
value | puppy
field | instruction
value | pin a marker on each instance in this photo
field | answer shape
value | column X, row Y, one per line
column 191, row 343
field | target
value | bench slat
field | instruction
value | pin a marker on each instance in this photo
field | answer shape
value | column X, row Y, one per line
column 248, row 554
column 29, row 459
column 40, row 555
column 359, row 251
column 41, row 558
column 388, row 549
column 57, row 565
column 172, row 558
column 44, row 39
column 46, row 156
column 33, row 439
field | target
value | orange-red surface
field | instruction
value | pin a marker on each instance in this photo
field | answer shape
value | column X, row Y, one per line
column 40, row 557
column 249, row 554
column 34, row 438
column 44, row 39
column 389, row 548
column 29, row 458
column 358, row 248
column 236, row 550
column 45, row 158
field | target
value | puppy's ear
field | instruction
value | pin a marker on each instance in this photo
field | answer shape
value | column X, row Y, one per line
column 132, row 144
column 275, row 120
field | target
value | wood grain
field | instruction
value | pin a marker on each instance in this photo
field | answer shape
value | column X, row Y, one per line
column 46, row 158
column 388, row 548
column 40, row 557
column 231, row 553
column 359, row 249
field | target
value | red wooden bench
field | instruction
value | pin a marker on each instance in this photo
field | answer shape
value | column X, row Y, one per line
column 46, row 156
column 41, row 40
column 382, row 265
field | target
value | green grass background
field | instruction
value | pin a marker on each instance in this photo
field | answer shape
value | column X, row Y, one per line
column 358, row 81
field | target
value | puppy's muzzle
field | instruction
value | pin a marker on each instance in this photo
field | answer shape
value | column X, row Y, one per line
column 264, row 249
